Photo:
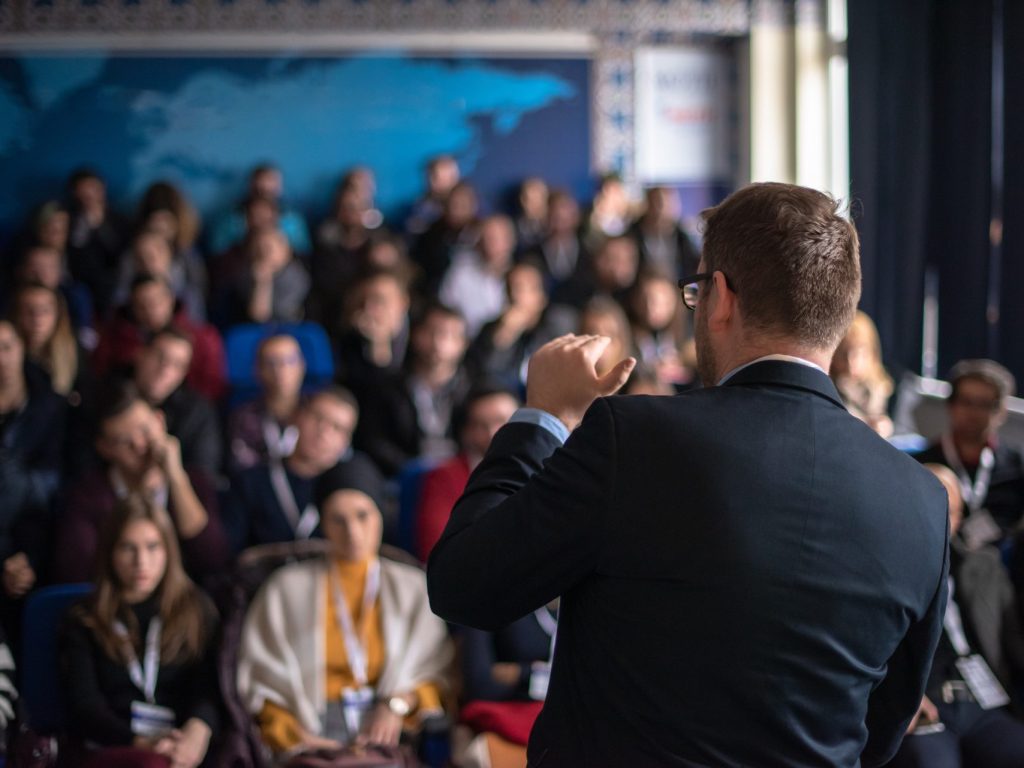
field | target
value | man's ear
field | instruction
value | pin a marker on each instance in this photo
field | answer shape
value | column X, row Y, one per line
column 722, row 302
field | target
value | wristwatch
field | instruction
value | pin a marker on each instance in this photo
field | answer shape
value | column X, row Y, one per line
column 399, row 706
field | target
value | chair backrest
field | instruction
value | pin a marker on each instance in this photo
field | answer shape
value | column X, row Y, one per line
column 410, row 484
column 40, row 686
column 242, row 341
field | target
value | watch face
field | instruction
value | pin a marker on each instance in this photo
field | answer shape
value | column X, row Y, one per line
column 399, row 706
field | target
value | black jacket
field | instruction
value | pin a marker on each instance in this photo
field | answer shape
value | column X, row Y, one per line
column 749, row 576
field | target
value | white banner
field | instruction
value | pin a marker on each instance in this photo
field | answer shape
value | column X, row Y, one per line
column 682, row 115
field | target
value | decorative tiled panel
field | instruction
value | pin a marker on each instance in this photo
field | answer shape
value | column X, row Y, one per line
column 717, row 17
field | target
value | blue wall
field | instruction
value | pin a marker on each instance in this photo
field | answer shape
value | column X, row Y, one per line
column 203, row 121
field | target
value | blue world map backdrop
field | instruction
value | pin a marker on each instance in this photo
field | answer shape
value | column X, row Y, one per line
column 203, row 121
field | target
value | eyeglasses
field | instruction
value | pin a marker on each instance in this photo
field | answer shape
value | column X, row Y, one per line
column 690, row 286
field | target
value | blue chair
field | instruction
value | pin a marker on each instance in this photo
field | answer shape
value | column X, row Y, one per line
column 242, row 341
column 410, row 483
column 39, row 675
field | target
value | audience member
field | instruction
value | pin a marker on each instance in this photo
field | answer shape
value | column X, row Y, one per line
column 272, row 287
column 475, row 282
column 409, row 416
column 342, row 246
column 860, row 376
column 141, row 458
column 657, row 316
column 374, row 344
column 361, row 653
column 603, row 316
column 262, row 429
column 561, row 251
column 503, row 347
column 159, row 374
column 484, row 411
column 96, row 236
column 611, row 272
column 991, row 473
column 266, row 182
column 151, row 308
column 153, row 253
column 442, row 176
column 963, row 719
column 273, row 500
column 32, row 421
column 609, row 213
column 137, row 657
column 659, row 234
column 454, row 230
column 531, row 222
column 45, row 265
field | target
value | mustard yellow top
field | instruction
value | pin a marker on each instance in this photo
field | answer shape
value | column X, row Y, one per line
column 278, row 727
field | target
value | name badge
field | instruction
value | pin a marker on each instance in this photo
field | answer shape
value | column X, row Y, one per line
column 983, row 684
column 355, row 705
column 540, row 676
column 151, row 720
column 979, row 529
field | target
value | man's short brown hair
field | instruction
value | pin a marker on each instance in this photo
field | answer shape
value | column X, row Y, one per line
column 791, row 258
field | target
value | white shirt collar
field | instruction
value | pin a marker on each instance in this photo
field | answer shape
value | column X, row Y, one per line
column 783, row 358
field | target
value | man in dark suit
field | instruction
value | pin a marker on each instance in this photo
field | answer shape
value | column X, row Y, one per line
column 749, row 575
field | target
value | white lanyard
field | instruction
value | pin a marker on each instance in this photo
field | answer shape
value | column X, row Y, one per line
column 550, row 626
column 302, row 524
column 974, row 493
column 357, row 655
column 954, row 626
column 143, row 676
column 280, row 442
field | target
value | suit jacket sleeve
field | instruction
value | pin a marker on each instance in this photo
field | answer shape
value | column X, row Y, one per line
column 530, row 524
column 896, row 699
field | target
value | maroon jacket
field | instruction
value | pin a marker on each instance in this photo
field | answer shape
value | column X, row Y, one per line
column 121, row 339
column 91, row 500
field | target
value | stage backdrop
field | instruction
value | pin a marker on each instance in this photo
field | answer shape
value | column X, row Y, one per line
column 203, row 121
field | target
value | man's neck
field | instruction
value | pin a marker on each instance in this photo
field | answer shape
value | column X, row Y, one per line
column 282, row 406
column 969, row 449
column 304, row 466
column 751, row 352
column 435, row 376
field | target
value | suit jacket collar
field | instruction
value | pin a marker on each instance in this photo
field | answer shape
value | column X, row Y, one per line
column 779, row 373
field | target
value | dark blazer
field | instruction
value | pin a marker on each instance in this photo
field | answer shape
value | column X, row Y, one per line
column 749, row 575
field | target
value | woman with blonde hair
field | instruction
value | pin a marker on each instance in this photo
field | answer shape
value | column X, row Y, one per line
column 138, row 655
column 860, row 377
column 41, row 318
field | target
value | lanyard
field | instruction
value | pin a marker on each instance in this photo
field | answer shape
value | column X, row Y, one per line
column 954, row 626
column 302, row 524
column 280, row 442
column 550, row 626
column 158, row 497
column 357, row 656
column 143, row 676
column 974, row 493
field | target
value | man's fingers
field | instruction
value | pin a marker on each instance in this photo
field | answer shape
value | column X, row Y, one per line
column 613, row 381
column 581, row 341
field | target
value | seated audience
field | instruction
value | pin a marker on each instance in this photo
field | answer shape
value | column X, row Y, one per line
column 272, row 286
column 454, row 230
column 659, row 234
column 151, row 308
column 273, row 500
column 45, row 265
column 138, row 657
column 361, row 655
column 409, row 416
column 96, row 237
column 159, row 375
column 141, row 458
column 991, row 473
column 531, row 222
column 265, row 182
column 860, row 376
column 442, row 176
column 611, row 272
column 609, row 212
column 32, row 422
column 484, row 411
column 475, row 283
column 503, row 347
column 41, row 318
column 374, row 344
column 657, row 316
column 262, row 429
column 153, row 253
column 958, row 724
column 561, row 250
column 603, row 316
